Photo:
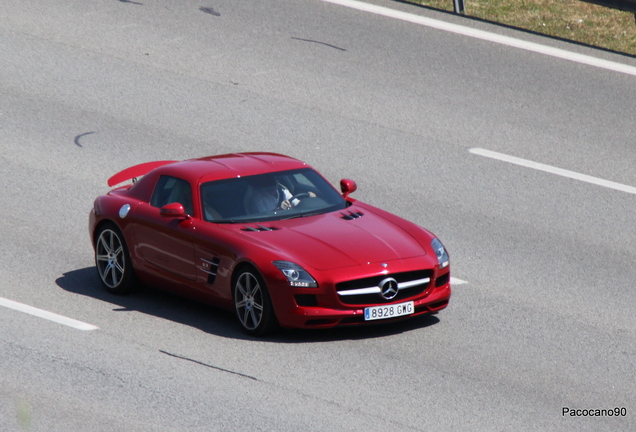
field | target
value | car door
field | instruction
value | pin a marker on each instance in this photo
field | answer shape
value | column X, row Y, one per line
column 166, row 242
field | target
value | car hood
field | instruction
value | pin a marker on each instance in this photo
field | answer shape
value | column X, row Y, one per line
column 335, row 240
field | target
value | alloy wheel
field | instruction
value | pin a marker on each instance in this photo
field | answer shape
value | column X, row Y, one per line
column 110, row 258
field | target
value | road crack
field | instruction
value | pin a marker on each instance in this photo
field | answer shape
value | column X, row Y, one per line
column 209, row 365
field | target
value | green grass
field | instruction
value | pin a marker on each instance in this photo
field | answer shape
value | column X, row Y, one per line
column 568, row 19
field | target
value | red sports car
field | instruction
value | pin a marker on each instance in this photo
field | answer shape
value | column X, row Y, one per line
column 267, row 236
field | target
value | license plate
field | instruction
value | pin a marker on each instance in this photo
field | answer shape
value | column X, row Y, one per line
column 388, row 311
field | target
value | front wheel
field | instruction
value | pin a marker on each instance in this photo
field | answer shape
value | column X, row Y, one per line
column 113, row 261
column 252, row 303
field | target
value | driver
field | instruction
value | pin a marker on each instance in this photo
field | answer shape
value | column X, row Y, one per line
column 269, row 195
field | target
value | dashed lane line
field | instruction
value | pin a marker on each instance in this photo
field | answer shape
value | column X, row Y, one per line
column 41, row 313
column 553, row 170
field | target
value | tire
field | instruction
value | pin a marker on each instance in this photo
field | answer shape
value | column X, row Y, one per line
column 112, row 260
column 252, row 303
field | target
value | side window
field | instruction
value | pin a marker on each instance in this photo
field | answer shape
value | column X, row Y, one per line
column 170, row 190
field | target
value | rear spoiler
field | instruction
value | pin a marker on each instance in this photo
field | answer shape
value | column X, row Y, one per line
column 136, row 171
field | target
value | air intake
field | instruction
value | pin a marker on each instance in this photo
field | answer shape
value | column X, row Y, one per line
column 351, row 215
column 258, row 228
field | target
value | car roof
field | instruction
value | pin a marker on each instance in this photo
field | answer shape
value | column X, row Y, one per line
column 232, row 165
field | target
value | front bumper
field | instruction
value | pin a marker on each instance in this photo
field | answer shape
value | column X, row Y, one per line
column 432, row 300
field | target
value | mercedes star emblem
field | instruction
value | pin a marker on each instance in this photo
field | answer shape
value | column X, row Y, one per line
column 388, row 288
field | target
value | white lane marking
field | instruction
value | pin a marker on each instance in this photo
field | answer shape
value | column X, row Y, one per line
column 553, row 170
column 487, row 36
column 41, row 313
column 455, row 281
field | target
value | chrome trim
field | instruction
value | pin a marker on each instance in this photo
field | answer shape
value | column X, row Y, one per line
column 409, row 284
column 360, row 291
column 377, row 290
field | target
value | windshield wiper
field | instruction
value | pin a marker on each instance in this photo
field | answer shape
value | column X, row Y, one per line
column 304, row 214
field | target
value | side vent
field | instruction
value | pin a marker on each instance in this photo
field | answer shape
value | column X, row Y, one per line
column 258, row 228
column 351, row 215
column 211, row 268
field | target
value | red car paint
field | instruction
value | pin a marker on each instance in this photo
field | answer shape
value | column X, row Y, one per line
column 198, row 258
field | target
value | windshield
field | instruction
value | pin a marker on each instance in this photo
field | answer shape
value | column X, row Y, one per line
column 267, row 197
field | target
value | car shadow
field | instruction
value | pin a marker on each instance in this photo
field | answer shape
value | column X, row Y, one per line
column 217, row 321
column 370, row 331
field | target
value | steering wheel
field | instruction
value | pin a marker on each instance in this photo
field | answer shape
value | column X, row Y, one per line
column 299, row 196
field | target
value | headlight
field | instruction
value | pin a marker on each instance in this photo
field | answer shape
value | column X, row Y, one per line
column 295, row 274
column 440, row 252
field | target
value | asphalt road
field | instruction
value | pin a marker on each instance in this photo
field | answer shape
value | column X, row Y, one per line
column 545, row 321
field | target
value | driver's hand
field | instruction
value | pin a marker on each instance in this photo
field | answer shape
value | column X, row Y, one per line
column 285, row 205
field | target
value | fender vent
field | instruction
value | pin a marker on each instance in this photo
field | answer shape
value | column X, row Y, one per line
column 211, row 268
column 351, row 215
column 258, row 228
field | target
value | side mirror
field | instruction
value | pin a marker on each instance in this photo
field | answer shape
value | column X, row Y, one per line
column 173, row 210
column 347, row 186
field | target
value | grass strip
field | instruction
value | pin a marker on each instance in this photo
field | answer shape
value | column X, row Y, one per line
column 573, row 20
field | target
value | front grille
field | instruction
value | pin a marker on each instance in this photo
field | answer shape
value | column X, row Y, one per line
column 354, row 292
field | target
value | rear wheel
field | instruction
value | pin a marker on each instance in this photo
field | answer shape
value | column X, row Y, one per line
column 252, row 303
column 113, row 261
